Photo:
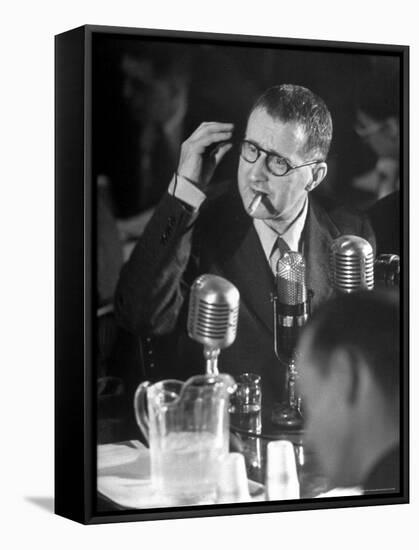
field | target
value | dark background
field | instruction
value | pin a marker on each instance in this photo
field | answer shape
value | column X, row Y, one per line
column 223, row 83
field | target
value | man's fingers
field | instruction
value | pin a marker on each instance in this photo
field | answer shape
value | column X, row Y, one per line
column 219, row 124
column 209, row 128
column 207, row 139
column 204, row 149
column 221, row 151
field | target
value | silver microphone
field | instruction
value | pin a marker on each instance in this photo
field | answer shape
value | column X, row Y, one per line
column 291, row 279
column 213, row 316
column 292, row 303
column 387, row 270
column 351, row 262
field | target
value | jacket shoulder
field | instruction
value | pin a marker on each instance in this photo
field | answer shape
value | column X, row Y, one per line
column 348, row 219
column 343, row 221
column 352, row 222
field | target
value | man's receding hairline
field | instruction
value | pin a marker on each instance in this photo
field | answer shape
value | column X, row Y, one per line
column 264, row 109
column 294, row 121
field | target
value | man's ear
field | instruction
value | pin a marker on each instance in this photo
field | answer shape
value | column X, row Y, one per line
column 344, row 369
column 319, row 172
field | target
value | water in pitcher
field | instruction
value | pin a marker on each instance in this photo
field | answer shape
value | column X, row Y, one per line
column 186, row 471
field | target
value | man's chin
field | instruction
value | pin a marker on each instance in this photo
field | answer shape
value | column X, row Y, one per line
column 265, row 214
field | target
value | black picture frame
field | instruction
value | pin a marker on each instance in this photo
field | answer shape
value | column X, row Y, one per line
column 76, row 264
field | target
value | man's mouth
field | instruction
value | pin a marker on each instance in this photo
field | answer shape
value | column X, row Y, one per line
column 256, row 200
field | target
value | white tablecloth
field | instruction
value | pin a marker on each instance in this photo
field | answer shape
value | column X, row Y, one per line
column 124, row 477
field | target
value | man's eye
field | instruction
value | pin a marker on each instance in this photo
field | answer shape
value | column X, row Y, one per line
column 252, row 148
column 278, row 162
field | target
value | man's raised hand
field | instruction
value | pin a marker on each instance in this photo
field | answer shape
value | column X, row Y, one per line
column 201, row 153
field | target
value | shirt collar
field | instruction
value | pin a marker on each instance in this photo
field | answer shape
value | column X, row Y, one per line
column 291, row 236
column 267, row 236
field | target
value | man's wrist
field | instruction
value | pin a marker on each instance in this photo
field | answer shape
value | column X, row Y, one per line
column 186, row 191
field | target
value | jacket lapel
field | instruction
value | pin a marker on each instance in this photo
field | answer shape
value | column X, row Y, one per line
column 249, row 270
column 319, row 233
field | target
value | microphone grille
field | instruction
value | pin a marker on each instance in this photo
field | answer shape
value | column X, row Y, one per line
column 213, row 311
column 351, row 261
column 291, row 278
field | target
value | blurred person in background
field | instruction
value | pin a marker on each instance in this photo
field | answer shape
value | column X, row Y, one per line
column 378, row 126
column 155, row 84
column 349, row 366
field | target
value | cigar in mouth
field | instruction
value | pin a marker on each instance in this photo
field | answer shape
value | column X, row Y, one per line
column 255, row 203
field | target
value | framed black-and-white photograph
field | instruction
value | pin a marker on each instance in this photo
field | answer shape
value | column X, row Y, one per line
column 231, row 274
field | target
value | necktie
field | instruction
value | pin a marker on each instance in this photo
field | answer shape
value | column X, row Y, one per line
column 278, row 250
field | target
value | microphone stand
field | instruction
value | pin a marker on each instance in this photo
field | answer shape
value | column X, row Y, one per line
column 211, row 360
column 288, row 414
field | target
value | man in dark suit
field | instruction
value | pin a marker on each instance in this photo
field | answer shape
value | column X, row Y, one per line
column 349, row 365
column 282, row 159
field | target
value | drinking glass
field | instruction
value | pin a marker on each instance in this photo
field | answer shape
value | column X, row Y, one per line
column 248, row 396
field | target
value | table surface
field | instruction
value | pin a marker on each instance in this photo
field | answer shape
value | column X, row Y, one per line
column 255, row 432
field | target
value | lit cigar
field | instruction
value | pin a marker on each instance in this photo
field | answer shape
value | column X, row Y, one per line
column 255, row 203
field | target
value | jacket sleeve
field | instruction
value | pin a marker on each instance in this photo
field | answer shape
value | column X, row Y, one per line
column 151, row 286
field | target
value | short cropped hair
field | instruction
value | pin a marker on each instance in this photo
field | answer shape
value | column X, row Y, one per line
column 292, row 103
column 365, row 324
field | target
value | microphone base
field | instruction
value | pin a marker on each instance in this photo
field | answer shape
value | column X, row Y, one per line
column 288, row 323
column 287, row 417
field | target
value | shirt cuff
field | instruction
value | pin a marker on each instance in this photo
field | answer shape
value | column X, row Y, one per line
column 186, row 192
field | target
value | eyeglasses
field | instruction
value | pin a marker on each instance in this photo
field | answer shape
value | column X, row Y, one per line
column 277, row 166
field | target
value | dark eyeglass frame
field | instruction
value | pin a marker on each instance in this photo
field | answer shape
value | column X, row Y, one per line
column 270, row 155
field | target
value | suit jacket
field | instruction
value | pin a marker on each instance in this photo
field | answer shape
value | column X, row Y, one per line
column 178, row 245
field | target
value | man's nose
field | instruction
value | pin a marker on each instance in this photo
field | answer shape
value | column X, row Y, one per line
column 258, row 171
